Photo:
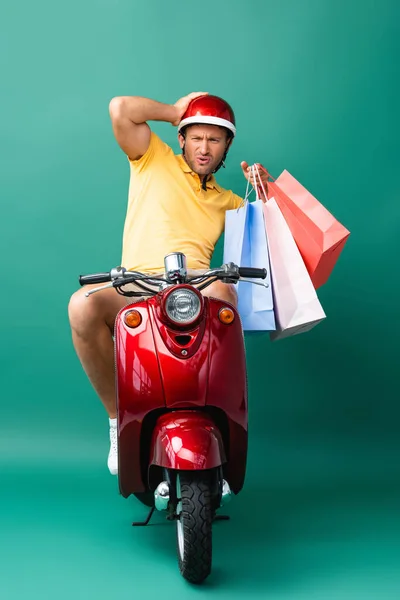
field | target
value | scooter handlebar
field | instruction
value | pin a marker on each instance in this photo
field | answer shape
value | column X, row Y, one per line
column 95, row 278
column 252, row 273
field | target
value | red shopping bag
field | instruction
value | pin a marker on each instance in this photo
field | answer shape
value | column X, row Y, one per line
column 318, row 235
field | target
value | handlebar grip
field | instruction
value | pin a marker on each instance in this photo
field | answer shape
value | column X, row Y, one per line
column 95, row 278
column 252, row 273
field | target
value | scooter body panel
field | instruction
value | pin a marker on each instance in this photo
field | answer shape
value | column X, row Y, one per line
column 154, row 377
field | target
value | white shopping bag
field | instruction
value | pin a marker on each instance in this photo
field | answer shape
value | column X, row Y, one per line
column 296, row 304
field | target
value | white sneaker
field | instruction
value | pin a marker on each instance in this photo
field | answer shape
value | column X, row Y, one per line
column 112, row 461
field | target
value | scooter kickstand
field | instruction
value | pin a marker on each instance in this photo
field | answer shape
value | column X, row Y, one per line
column 146, row 522
column 222, row 518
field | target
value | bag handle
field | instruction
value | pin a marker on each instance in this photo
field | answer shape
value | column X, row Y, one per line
column 255, row 172
column 258, row 184
column 246, row 197
column 264, row 170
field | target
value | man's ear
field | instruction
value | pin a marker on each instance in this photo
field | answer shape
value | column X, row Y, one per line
column 181, row 140
column 229, row 143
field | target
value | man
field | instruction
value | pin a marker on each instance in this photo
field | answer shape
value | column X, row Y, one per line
column 175, row 204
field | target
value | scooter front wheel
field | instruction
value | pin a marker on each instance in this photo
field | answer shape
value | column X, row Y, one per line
column 194, row 525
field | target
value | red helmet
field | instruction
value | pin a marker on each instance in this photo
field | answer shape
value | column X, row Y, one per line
column 210, row 110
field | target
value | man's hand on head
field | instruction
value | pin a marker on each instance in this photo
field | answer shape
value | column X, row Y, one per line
column 182, row 104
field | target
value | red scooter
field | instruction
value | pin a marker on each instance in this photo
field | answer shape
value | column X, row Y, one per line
column 181, row 400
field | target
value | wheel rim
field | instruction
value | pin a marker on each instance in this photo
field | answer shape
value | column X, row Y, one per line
column 178, row 521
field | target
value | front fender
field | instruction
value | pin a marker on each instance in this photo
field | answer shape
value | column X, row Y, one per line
column 186, row 440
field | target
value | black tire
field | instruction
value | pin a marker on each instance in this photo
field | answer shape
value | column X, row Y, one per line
column 194, row 526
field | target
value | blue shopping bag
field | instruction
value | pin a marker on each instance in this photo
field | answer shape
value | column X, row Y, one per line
column 245, row 244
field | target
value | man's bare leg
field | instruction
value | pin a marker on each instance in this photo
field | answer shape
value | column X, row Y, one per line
column 92, row 323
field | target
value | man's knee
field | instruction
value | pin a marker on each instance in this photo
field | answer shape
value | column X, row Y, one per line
column 95, row 310
column 79, row 310
column 84, row 312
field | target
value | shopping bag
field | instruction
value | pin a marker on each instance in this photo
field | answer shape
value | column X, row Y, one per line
column 297, row 307
column 296, row 304
column 318, row 234
column 245, row 244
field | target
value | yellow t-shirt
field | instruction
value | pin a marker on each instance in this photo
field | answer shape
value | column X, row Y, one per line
column 168, row 211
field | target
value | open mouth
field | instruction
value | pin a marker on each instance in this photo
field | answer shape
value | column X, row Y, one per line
column 203, row 160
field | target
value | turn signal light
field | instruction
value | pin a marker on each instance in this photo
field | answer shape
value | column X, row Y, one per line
column 133, row 318
column 226, row 315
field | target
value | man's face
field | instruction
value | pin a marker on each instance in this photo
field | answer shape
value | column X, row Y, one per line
column 205, row 146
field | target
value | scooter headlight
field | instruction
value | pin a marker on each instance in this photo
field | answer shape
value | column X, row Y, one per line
column 183, row 306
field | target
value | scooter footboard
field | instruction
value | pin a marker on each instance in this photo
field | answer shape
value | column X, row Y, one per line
column 187, row 440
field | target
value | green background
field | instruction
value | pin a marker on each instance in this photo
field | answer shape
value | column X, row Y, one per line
column 315, row 88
